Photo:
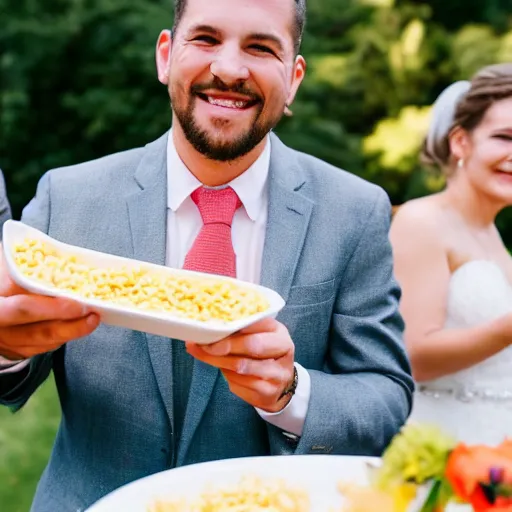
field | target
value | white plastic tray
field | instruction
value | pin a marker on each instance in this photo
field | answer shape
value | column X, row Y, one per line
column 159, row 323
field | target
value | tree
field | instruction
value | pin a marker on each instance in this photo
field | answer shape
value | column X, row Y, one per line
column 79, row 82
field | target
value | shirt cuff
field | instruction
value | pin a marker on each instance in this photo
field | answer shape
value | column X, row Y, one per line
column 8, row 366
column 291, row 419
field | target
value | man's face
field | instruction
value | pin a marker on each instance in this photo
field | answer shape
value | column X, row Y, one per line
column 230, row 71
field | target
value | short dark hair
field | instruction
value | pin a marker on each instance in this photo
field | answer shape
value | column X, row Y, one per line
column 298, row 28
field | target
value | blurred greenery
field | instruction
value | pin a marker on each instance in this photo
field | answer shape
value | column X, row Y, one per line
column 78, row 82
column 25, row 441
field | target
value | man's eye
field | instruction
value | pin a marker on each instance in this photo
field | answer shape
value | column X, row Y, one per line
column 503, row 136
column 261, row 48
column 206, row 39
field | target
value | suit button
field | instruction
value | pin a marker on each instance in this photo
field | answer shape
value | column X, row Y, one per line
column 321, row 449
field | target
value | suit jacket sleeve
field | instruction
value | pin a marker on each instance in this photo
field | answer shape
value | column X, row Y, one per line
column 16, row 388
column 5, row 208
column 364, row 395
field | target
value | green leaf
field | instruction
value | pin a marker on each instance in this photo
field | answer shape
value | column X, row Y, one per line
column 440, row 494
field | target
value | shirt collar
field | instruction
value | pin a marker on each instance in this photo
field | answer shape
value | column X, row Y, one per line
column 250, row 186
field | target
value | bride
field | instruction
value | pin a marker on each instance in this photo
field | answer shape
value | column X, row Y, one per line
column 455, row 272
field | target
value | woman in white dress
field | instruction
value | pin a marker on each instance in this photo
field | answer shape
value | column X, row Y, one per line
column 455, row 272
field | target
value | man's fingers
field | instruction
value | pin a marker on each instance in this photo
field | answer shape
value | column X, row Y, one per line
column 263, row 387
column 268, row 369
column 7, row 285
column 263, row 340
column 58, row 332
column 29, row 309
column 258, row 393
column 29, row 340
column 265, row 325
column 255, row 346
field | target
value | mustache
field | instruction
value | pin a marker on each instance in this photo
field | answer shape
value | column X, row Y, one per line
column 219, row 85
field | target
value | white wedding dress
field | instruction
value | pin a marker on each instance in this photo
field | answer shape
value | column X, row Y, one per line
column 474, row 405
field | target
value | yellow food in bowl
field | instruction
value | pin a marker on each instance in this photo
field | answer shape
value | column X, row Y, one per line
column 197, row 298
column 250, row 494
column 368, row 499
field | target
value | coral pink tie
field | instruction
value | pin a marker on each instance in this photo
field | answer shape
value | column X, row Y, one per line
column 212, row 251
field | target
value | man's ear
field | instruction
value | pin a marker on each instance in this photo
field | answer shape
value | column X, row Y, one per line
column 299, row 70
column 163, row 55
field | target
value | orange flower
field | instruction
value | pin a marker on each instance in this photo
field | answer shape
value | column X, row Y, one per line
column 482, row 476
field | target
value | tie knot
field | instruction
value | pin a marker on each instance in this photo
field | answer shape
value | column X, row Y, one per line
column 217, row 206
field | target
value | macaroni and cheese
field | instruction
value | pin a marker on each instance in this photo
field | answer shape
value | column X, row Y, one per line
column 250, row 495
column 198, row 298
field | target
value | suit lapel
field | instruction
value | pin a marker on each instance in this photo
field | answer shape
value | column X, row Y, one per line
column 147, row 210
column 288, row 219
column 289, row 213
column 201, row 389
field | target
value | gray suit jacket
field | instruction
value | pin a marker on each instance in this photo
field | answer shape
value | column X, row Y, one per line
column 5, row 208
column 326, row 252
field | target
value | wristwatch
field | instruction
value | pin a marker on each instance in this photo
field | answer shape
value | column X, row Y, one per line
column 290, row 390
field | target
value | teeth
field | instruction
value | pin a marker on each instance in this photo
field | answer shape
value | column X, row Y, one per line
column 506, row 167
column 227, row 103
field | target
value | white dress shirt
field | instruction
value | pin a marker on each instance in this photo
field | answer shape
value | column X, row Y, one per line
column 248, row 234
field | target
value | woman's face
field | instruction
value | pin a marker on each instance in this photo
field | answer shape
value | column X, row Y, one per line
column 487, row 152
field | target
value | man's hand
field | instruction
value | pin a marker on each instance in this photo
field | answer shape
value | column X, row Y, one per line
column 34, row 324
column 257, row 363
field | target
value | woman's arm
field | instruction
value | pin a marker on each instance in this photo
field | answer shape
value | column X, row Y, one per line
column 421, row 267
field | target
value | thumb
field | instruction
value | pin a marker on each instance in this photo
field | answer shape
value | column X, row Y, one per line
column 7, row 286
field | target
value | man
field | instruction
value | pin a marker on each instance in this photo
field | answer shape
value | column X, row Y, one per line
column 330, row 375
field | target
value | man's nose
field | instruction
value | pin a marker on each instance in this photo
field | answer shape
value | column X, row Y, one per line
column 230, row 66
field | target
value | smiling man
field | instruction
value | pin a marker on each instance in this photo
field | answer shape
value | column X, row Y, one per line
column 230, row 73
column 219, row 193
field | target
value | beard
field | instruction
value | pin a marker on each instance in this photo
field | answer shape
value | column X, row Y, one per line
column 205, row 142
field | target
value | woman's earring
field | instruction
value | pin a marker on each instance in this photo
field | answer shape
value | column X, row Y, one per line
column 460, row 163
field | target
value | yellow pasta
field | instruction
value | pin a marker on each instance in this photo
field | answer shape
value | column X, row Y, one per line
column 250, row 495
column 365, row 499
column 198, row 298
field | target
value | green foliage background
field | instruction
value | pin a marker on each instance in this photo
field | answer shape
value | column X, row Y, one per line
column 77, row 81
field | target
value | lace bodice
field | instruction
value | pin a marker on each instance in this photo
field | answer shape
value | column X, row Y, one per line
column 474, row 404
column 479, row 292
